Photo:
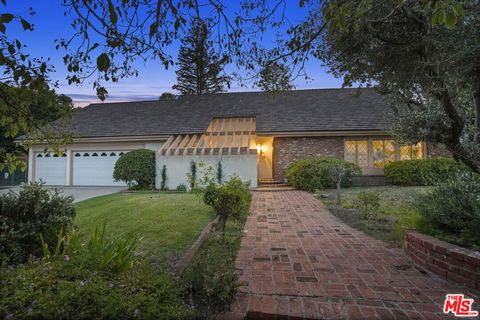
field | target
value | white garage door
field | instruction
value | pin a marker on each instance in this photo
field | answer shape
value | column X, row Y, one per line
column 51, row 168
column 95, row 168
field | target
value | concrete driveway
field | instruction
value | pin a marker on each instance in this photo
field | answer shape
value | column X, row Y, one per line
column 79, row 193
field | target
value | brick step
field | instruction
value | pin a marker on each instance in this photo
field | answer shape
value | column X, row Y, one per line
column 273, row 185
column 270, row 181
column 273, row 189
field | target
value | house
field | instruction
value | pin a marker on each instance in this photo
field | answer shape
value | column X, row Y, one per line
column 255, row 135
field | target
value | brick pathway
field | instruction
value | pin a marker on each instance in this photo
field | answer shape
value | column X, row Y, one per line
column 298, row 261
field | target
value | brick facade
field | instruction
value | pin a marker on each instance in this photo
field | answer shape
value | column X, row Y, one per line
column 447, row 260
column 289, row 149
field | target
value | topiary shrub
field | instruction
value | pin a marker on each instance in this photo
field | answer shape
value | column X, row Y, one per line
column 230, row 200
column 452, row 210
column 422, row 172
column 34, row 211
column 315, row 173
column 136, row 168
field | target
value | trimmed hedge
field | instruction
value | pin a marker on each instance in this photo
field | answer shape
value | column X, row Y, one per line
column 136, row 168
column 314, row 173
column 422, row 172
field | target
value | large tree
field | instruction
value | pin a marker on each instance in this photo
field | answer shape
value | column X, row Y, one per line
column 275, row 76
column 429, row 73
column 200, row 69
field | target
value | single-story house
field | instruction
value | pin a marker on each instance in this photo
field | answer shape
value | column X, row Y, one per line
column 255, row 135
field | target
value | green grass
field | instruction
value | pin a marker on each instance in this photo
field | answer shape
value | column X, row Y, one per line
column 396, row 212
column 167, row 223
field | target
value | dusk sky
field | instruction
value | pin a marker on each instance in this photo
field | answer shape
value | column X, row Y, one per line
column 50, row 24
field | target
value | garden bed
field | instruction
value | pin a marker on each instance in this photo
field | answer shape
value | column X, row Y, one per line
column 396, row 212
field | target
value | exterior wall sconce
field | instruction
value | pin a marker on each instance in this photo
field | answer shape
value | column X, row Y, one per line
column 260, row 149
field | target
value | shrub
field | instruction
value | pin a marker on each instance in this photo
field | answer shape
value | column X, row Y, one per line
column 192, row 175
column 181, row 187
column 219, row 172
column 452, row 210
column 231, row 200
column 314, row 173
column 163, row 184
column 136, row 167
column 368, row 203
column 24, row 216
column 210, row 279
column 422, row 172
column 60, row 290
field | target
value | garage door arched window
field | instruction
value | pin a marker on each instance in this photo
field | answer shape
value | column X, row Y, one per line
column 78, row 154
column 121, row 153
column 55, row 155
column 64, row 155
column 39, row 155
column 112, row 154
column 94, row 154
column 47, row 156
column 86, row 154
column 103, row 154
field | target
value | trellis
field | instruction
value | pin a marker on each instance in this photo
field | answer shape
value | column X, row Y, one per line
column 224, row 136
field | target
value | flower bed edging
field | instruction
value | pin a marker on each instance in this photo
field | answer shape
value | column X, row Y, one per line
column 445, row 259
column 183, row 262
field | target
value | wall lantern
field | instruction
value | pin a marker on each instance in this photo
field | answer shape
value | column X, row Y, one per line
column 260, row 149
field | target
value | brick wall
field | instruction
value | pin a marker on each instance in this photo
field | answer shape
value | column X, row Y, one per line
column 288, row 150
column 447, row 260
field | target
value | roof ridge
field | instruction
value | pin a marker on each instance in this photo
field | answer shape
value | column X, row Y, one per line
column 225, row 93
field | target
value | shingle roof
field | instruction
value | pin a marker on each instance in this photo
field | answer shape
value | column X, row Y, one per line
column 294, row 111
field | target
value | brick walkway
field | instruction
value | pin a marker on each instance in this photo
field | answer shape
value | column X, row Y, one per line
column 297, row 260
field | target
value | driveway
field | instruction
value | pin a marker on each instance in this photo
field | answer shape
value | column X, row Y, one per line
column 297, row 260
column 79, row 193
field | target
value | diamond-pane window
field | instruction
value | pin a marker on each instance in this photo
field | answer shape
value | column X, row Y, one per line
column 356, row 151
column 378, row 154
column 405, row 152
column 389, row 151
column 350, row 151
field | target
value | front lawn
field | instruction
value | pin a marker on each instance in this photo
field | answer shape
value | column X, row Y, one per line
column 395, row 213
column 167, row 223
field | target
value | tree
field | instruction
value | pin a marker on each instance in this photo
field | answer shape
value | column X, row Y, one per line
column 108, row 36
column 200, row 69
column 40, row 106
column 275, row 76
column 167, row 96
column 430, row 74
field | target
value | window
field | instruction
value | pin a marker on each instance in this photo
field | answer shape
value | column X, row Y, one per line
column 121, row 153
column 39, row 155
column 356, row 151
column 103, row 154
column 86, row 154
column 383, row 152
column 64, row 155
column 94, row 154
column 112, row 154
column 55, row 155
column 78, row 154
column 376, row 153
column 411, row 152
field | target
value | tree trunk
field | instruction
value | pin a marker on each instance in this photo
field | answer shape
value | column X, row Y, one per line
column 476, row 101
column 339, row 196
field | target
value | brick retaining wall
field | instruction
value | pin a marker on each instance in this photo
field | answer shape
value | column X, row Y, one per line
column 447, row 260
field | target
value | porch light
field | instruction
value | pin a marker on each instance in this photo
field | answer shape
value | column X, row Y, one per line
column 260, row 149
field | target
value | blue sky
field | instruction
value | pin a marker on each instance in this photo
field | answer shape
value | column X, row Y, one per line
column 50, row 24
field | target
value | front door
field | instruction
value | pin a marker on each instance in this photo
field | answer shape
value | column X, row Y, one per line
column 264, row 157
